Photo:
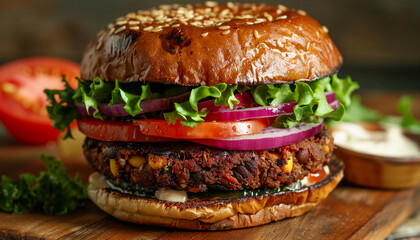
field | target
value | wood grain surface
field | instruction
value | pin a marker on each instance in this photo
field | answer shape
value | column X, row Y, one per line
column 348, row 213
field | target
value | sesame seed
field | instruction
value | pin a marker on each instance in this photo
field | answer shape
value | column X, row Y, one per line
column 317, row 34
column 197, row 23
column 224, row 27
column 230, row 5
column 282, row 7
column 157, row 13
column 256, row 34
column 176, row 25
column 301, row 12
column 226, row 32
column 121, row 22
column 204, row 34
column 308, row 45
column 325, row 29
column 156, row 29
column 250, row 23
column 279, row 11
column 122, row 28
column 131, row 15
column 159, row 18
column 133, row 22
column 281, row 17
column 279, row 44
column 260, row 20
column 134, row 28
column 211, row 4
column 199, row 18
column 268, row 16
column 111, row 31
column 225, row 12
column 247, row 16
column 148, row 28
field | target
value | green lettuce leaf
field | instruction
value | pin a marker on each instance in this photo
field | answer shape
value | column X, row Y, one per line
column 93, row 93
column 228, row 97
column 62, row 110
column 310, row 97
column 132, row 101
column 188, row 112
column 53, row 191
column 343, row 88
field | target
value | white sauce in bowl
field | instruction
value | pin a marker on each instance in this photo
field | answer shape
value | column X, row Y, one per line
column 391, row 142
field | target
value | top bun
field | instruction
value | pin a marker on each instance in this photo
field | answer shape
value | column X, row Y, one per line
column 209, row 44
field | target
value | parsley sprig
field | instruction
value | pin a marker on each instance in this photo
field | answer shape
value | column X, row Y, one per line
column 53, row 191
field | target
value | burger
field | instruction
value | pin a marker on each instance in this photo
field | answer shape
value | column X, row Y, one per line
column 208, row 117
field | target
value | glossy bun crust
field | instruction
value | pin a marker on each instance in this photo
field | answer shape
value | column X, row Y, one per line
column 209, row 44
column 213, row 214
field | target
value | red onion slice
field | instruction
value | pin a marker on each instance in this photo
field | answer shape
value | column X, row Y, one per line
column 118, row 110
column 258, row 112
column 270, row 137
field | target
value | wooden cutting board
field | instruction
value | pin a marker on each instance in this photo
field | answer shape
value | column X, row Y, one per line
column 348, row 213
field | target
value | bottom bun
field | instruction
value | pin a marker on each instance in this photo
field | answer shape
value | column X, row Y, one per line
column 213, row 214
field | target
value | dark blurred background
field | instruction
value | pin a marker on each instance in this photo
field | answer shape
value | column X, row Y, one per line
column 379, row 39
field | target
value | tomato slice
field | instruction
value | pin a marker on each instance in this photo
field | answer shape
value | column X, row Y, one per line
column 115, row 131
column 317, row 176
column 23, row 102
column 206, row 130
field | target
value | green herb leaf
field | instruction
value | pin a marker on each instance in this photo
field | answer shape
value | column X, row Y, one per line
column 54, row 191
column 16, row 196
column 63, row 111
column 408, row 120
column 356, row 112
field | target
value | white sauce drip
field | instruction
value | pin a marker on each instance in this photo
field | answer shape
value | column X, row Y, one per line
column 161, row 194
column 171, row 195
column 389, row 143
